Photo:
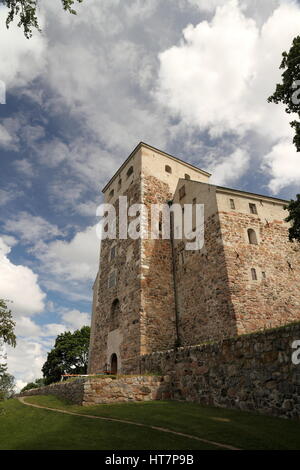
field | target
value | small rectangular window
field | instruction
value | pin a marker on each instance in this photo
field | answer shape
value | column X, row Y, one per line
column 232, row 204
column 195, row 201
column 253, row 209
column 263, row 275
column 182, row 192
column 253, row 274
column 112, row 280
column 113, row 253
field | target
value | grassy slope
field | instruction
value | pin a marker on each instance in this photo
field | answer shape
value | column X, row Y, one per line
column 241, row 429
column 26, row 428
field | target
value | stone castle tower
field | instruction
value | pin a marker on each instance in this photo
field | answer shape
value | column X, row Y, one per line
column 153, row 295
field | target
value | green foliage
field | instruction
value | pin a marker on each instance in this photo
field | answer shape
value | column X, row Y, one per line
column 7, row 335
column 286, row 91
column 25, row 11
column 69, row 355
column 294, row 217
column 7, row 386
column 6, row 325
column 36, row 384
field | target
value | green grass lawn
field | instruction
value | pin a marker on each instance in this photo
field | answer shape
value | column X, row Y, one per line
column 23, row 427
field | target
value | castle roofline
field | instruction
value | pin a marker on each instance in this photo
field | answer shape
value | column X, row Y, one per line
column 149, row 147
column 223, row 189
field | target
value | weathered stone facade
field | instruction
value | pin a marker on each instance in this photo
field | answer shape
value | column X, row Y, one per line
column 104, row 390
column 153, row 294
column 252, row 372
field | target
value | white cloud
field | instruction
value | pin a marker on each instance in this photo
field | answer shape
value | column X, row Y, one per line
column 74, row 319
column 74, row 260
column 20, row 285
column 25, row 167
column 21, row 60
column 6, row 196
column 219, row 78
column 31, row 228
column 5, row 138
column 205, row 5
column 282, row 163
column 231, row 168
column 26, row 360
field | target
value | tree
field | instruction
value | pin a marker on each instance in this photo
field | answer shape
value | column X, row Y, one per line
column 25, row 11
column 288, row 92
column 7, row 335
column 7, row 386
column 6, row 325
column 69, row 355
column 294, row 216
column 36, row 384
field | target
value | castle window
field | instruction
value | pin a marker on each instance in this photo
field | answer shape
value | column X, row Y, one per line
column 168, row 169
column 119, row 184
column 130, row 172
column 187, row 177
column 252, row 237
column 115, row 315
column 232, row 204
column 112, row 279
column 113, row 253
column 182, row 192
column 195, row 201
column 263, row 275
column 253, row 209
column 111, row 194
column 253, row 274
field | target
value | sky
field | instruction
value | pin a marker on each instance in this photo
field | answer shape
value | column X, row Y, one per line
column 189, row 77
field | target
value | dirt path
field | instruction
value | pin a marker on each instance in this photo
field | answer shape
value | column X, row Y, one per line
column 156, row 428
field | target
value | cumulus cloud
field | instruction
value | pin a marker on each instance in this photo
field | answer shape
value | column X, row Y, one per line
column 20, row 285
column 219, row 77
column 30, row 228
column 282, row 163
column 75, row 260
column 231, row 168
column 21, row 60
column 26, row 360
column 74, row 319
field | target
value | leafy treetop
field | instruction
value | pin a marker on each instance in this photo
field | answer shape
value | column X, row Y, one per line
column 287, row 92
column 25, row 11
column 294, row 217
column 69, row 355
column 6, row 325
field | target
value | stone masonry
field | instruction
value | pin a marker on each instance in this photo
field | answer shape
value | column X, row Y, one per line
column 105, row 390
column 154, row 295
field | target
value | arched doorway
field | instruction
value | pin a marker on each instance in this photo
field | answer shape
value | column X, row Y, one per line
column 114, row 364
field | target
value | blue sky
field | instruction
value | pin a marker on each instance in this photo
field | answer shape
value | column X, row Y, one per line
column 190, row 77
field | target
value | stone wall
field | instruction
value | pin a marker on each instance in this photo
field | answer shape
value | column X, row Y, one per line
column 272, row 299
column 119, row 333
column 92, row 391
column 72, row 391
column 125, row 389
column 252, row 372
